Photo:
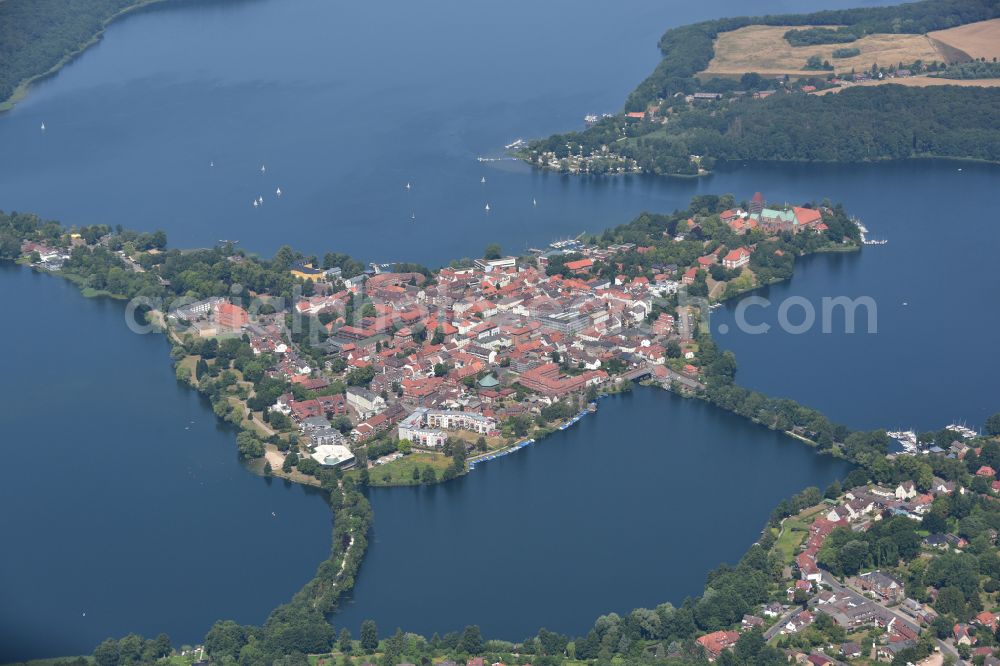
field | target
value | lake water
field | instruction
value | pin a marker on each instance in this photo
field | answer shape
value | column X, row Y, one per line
column 125, row 507
column 628, row 508
column 933, row 359
column 344, row 104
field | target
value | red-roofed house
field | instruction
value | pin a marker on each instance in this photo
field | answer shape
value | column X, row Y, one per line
column 230, row 316
column 717, row 641
column 736, row 258
column 987, row 619
column 579, row 266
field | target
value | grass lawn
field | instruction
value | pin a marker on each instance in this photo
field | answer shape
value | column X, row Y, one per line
column 794, row 532
column 400, row 472
column 492, row 443
column 189, row 362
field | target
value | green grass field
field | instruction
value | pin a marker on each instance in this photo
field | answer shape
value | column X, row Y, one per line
column 400, row 472
column 794, row 532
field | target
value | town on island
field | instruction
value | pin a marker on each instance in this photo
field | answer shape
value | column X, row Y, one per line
column 369, row 365
column 343, row 376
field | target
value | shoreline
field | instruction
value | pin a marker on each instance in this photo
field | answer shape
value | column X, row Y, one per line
column 324, row 591
column 709, row 172
column 24, row 87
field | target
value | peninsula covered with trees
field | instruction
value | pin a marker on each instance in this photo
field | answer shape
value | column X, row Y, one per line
column 682, row 120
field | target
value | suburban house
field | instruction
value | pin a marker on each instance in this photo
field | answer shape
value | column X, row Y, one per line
column 717, row 641
column 736, row 258
column 885, row 586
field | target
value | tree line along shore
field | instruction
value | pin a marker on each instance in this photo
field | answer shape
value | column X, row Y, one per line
column 39, row 37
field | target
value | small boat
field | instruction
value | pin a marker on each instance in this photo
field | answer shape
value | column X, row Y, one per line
column 483, row 179
column 263, row 169
column 487, row 208
column 43, row 129
column 277, row 192
column 274, row 514
column 211, row 164
column 413, row 216
column 255, row 204
column 534, row 202
column 407, row 186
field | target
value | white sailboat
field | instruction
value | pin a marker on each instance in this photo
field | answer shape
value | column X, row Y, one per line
column 211, row 164
column 483, row 179
column 534, row 202
column 277, row 192
column 487, row 208
column 263, row 169
column 43, row 127
column 407, row 186
column 255, row 204
column 413, row 216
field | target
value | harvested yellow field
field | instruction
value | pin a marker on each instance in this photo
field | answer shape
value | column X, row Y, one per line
column 977, row 40
column 763, row 49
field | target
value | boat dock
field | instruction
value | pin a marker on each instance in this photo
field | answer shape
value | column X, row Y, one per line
column 591, row 408
column 499, row 454
column 864, row 234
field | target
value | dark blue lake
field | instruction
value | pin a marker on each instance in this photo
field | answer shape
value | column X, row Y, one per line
column 344, row 104
column 125, row 506
column 628, row 508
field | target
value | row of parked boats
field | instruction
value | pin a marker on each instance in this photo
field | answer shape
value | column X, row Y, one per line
column 499, row 454
column 592, row 407
column 908, row 438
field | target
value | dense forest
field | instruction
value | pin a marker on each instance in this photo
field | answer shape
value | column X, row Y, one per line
column 858, row 124
column 35, row 35
column 973, row 69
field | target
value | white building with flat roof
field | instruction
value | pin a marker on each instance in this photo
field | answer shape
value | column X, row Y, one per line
column 489, row 265
column 333, row 455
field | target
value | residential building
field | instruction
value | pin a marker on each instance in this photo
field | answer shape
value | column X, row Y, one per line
column 888, row 587
column 737, row 258
column 231, row 317
column 364, row 402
